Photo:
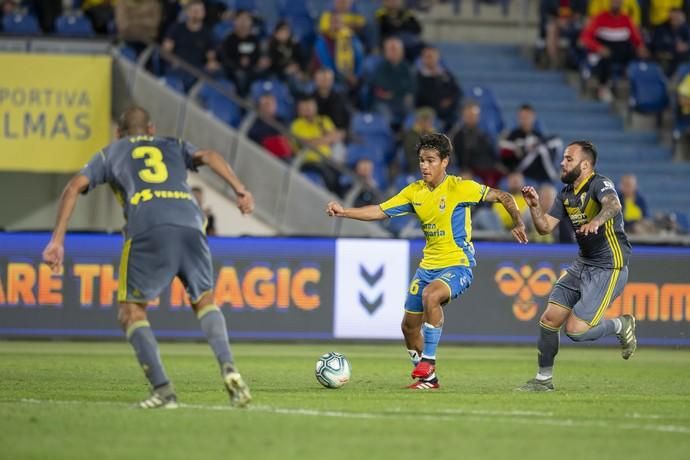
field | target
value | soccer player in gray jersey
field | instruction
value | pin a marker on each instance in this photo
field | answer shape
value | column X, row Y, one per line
column 164, row 238
column 581, row 296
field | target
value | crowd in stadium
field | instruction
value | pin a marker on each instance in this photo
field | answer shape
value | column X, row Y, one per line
column 349, row 93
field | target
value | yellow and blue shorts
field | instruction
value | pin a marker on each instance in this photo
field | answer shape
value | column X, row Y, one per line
column 457, row 278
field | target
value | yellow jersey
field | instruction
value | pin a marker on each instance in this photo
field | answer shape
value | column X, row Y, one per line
column 445, row 216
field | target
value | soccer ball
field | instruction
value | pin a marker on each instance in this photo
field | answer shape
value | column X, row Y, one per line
column 333, row 370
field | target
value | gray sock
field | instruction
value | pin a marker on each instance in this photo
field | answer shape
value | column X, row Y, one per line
column 604, row 328
column 213, row 324
column 140, row 335
column 548, row 343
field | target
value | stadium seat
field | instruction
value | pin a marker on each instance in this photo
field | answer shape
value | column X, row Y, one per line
column 73, row 25
column 129, row 53
column 491, row 120
column 356, row 152
column 682, row 71
column 648, row 93
column 247, row 5
column 219, row 104
column 173, row 82
column 280, row 91
column 20, row 24
column 221, row 30
column 372, row 130
column 289, row 8
column 315, row 178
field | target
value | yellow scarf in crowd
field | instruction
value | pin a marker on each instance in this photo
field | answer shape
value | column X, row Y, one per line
column 344, row 52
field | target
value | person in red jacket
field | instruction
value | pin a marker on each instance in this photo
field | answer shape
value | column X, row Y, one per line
column 612, row 39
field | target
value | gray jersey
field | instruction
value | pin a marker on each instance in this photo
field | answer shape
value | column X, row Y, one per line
column 609, row 247
column 149, row 178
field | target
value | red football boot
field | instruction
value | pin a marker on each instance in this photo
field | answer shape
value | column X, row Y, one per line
column 423, row 370
column 422, row 385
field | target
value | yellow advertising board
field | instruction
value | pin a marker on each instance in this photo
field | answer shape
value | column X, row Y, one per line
column 54, row 111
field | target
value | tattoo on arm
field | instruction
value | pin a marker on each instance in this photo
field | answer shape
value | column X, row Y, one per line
column 610, row 206
column 508, row 202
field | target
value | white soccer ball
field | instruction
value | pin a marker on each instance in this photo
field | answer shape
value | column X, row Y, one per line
column 333, row 370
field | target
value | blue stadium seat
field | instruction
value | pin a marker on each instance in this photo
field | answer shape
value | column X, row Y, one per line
column 248, row 5
column 73, row 25
column 373, row 130
column 219, row 104
column 281, row 92
column 221, row 30
column 289, row 8
column 682, row 221
column 648, row 93
column 356, row 152
column 315, row 178
column 491, row 120
column 129, row 53
column 682, row 71
column 173, row 82
column 20, row 24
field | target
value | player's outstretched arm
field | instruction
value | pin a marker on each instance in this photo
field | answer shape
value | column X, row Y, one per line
column 54, row 252
column 508, row 202
column 610, row 206
column 215, row 161
column 543, row 222
column 366, row 213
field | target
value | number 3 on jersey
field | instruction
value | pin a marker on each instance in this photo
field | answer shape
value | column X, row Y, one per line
column 155, row 172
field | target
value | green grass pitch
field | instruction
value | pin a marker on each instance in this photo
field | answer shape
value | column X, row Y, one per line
column 73, row 401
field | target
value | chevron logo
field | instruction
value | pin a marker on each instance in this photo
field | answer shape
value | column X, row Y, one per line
column 371, row 307
column 370, row 278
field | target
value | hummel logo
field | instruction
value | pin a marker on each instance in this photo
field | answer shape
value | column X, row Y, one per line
column 371, row 279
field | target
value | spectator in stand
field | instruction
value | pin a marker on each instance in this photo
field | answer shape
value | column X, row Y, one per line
column 240, row 53
column 192, row 42
column 330, row 102
column 100, row 13
column 660, row 10
column 423, row 124
column 563, row 233
column 630, row 8
column 264, row 131
column 321, row 139
column 341, row 51
column 394, row 20
column 612, row 39
column 436, row 87
column 370, row 193
column 474, row 149
column 47, row 11
column 285, row 52
column 528, row 151
column 138, row 22
column 681, row 132
column 393, row 83
column 198, row 193
column 671, row 42
column 350, row 18
column 562, row 19
column 635, row 211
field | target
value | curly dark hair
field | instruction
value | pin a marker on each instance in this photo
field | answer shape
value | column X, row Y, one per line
column 435, row 141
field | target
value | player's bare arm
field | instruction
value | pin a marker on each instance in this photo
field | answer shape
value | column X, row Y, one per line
column 215, row 161
column 54, row 252
column 366, row 213
column 610, row 206
column 543, row 222
column 508, row 202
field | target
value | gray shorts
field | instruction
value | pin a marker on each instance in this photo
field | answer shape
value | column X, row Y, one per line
column 152, row 259
column 589, row 290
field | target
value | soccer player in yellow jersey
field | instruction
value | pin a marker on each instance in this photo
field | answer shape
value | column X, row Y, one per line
column 442, row 203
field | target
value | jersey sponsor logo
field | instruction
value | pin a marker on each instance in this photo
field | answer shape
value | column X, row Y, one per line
column 608, row 185
column 147, row 194
column 430, row 231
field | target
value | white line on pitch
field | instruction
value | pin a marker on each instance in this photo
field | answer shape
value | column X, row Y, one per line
column 520, row 417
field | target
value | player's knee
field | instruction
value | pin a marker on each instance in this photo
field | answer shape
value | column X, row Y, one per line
column 576, row 334
column 129, row 314
column 409, row 328
column 550, row 319
column 431, row 297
